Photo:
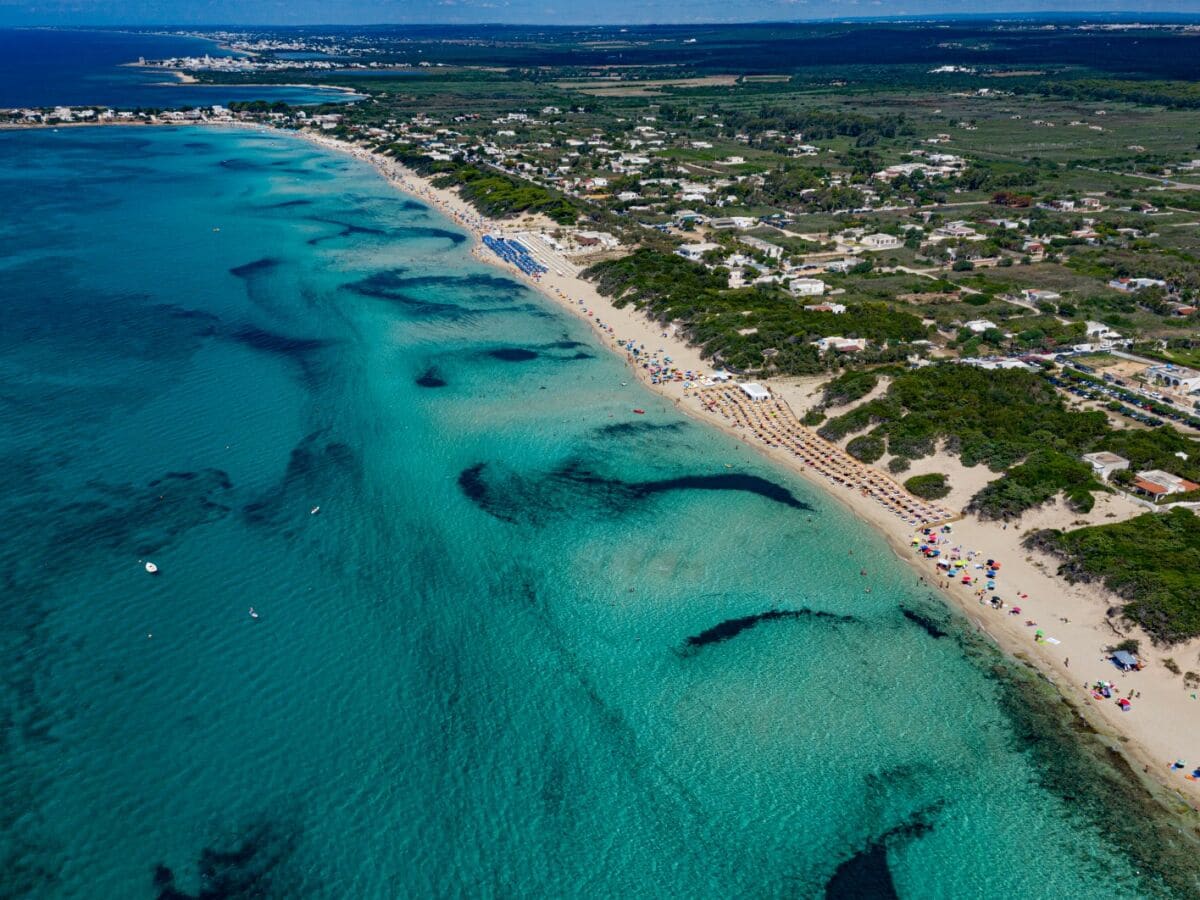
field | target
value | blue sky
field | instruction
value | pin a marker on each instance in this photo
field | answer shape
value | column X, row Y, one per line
column 562, row 12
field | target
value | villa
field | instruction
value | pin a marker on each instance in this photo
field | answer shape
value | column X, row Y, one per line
column 1178, row 377
column 1157, row 484
column 807, row 287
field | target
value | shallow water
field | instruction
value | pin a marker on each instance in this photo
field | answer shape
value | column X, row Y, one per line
column 531, row 644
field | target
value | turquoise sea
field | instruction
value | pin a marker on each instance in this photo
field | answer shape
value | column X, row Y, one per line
column 531, row 645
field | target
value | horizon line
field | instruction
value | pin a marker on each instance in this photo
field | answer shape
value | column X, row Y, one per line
column 1049, row 16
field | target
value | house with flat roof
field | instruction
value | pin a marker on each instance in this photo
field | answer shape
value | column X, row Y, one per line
column 840, row 344
column 1105, row 463
column 806, row 287
column 957, row 230
column 841, row 265
column 732, row 222
column 695, row 252
column 772, row 251
column 1156, row 484
column 1129, row 285
column 880, row 241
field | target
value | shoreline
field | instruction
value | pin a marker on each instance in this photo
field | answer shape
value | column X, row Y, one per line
column 1073, row 616
column 184, row 78
column 1149, row 738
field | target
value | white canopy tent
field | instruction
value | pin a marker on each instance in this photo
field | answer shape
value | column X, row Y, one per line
column 755, row 391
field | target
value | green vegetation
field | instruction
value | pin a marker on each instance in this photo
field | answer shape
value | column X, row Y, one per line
column 1177, row 94
column 492, row 193
column 851, row 385
column 1043, row 476
column 1009, row 420
column 866, row 447
column 933, row 486
column 813, row 417
column 1152, row 561
column 758, row 329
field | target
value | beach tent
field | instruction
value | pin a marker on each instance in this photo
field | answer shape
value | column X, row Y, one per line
column 1124, row 660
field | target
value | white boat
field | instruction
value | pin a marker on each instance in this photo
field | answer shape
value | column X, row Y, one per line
column 314, row 510
column 151, row 568
column 253, row 613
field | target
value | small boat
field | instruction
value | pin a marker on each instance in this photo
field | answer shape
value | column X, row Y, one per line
column 253, row 613
column 640, row 412
column 151, row 568
column 314, row 510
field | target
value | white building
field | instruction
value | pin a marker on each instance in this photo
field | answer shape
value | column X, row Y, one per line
column 1102, row 331
column 993, row 364
column 772, row 251
column 880, row 242
column 695, row 252
column 1105, row 463
column 841, row 265
column 979, row 326
column 836, row 308
column 741, row 223
column 806, row 287
column 840, row 344
column 1178, row 377
column 1156, row 484
column 1129, row 285
column 957, row 230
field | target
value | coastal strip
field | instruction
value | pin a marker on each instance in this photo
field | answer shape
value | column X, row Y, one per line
column 1052, row 618
column 1073, row 618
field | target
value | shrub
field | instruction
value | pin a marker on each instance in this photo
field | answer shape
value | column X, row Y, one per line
column 866, row 447
column 933, row 486
column 1042, row 477
column 850, row 386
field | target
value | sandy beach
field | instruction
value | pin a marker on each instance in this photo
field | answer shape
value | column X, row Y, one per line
column 1163, row 722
